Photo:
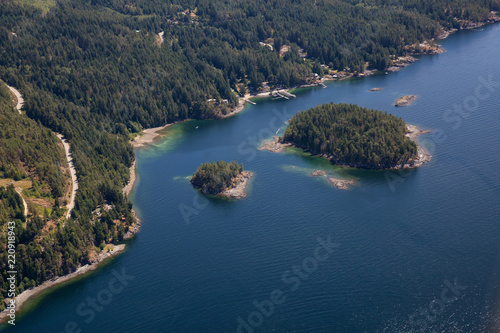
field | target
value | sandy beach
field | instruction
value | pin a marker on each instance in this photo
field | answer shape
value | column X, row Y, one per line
column 148, row 136
column 241, row 106
column 130, row 185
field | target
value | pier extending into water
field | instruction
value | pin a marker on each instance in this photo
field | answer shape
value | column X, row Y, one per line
column 282, row 94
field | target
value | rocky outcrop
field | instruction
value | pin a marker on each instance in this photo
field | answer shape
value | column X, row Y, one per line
column 423, row 156
column 238, row 189
column 405, row 100
column 274, row 145
column 400, row 63
column 425, row 48
column 493, row 17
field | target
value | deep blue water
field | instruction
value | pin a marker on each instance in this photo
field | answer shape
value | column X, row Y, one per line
column 403, row 239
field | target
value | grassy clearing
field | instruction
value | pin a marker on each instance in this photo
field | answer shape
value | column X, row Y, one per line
column 44, row 5
column 24, row 184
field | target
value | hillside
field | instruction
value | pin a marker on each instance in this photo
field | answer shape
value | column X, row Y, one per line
column 96, row 73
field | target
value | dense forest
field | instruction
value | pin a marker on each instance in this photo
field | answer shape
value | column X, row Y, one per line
column 31, row 155
column 352, row 135
column 98, row 72
column 213, row 178
column 27, row 147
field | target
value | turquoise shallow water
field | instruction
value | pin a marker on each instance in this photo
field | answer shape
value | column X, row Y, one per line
column 415, row 251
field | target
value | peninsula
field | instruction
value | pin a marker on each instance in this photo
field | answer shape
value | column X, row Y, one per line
column 222, row 179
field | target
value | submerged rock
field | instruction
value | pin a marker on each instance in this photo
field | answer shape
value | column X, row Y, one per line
column 318, row 173
column 342, row 184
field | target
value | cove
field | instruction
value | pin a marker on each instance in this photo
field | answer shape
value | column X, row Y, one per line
column 415, row 250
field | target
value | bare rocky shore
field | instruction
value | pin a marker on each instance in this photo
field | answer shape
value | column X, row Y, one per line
column 274, row 145
column 493, row 17
column 425, row 48
column 423, row 156
column 238, row 189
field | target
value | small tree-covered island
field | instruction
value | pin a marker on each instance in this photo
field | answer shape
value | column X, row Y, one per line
column 222, row 179
column 354, row 136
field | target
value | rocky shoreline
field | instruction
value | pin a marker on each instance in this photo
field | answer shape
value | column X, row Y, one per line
column 412, row 132
column 494, row 17
column 274, row 145
column 401, row 63
column 29, row 293
column 423, row 156
column 238, row 191
column 112, row 250
column 426, row 47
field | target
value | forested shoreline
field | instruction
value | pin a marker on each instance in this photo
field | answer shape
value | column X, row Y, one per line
column 352, row 135
column 96, row 73
column 213, row 178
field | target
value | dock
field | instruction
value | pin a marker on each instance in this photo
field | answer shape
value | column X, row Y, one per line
column 249, row 101
column 282, row 94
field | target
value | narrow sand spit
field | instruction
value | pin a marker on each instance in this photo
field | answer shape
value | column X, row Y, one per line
column 148, row 136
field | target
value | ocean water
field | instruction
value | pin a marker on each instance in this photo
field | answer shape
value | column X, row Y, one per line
column 413, row 251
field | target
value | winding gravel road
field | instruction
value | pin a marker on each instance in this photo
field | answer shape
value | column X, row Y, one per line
column 69, row 158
